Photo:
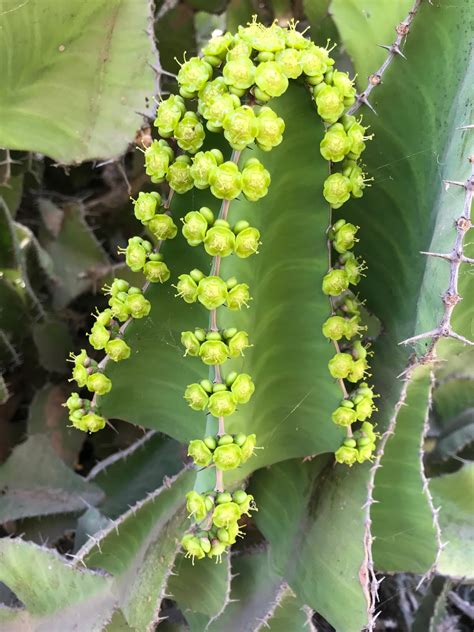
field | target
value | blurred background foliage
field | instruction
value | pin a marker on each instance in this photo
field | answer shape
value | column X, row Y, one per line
column 73, row 118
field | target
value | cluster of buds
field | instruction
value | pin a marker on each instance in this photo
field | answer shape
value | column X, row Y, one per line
column 215, row 347
column 217, row 235
column 126, row 301
column 225, row 452
column 140, row 257
column 217, row 521
column 358, row 448
column 345, row 329
column 220, row 399
column 212, row 291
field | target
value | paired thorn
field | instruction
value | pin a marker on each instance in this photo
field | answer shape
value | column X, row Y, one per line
column 393, row 48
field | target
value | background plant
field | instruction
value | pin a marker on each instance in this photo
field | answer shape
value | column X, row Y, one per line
column 417, row 144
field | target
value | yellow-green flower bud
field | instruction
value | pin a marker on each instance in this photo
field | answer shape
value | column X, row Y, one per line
column 138, row 305
column 189, row 133
column 162, row 226
column 99, row 336
column 346, row 454
column 200, row 453
column 194, row 74
column 219, row 241
column 344, row 416
column 187, row 288
column 98, row 383
column 270, row 78
column 270, row 129
column 169, row 114
column 238, row 296
column 214, row 352
column 238, row 343
column 225, row 181
column 222, row 404
column 334, row 328
column 290, row 62
column 73, row 402
column 242, row 388
column 117, row 350
column 240, row 127
column 90, row 422
column 247, row 242
column 248, row 447
column 340, row 365
column 329, row 103
column 192, row 546
column 337, row 189
column 179, row 175
column 157, row 159
column 358, row 370
column 335, row 282
column 255, row 180
column 196, row 506
column 203, row 163
column 156, row 271
column 239, row 73
column 212, row 292
column 145, row 205
column 196, row 396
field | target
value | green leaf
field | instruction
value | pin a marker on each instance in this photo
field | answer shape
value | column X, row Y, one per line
column 35, row 482
column 211, row 585
column 451, row 398
column 53, row 342
column 55, row 595
column 433, row 606
column 457, row 436
column 405, row 537
column 139, row 550
column 75, row 253
column 306, row 511
column 374, row 19
column 453, row 493
column 129, row 475
column 289, row 359
column 77, row 91
column 257, row 594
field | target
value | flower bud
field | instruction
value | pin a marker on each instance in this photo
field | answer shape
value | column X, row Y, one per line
column 117, row 350
column 214, row 352
column 239, row 73
column 118, row 285
column 138, row 305
column 270, row 129
column 225, row 181
column 162, row 226
column 196, row 506
column 99, row 336
column 335, row 144
column 314, row 61
column 205, row 544
column 190, row 343
column 217, row 549
column 179, row 175
column 364, row 409
column 192, row 546
column 329, row 103
column 157, row 159
column 240, row 127
column 195, row 226
column 255, row 180
column 340, row 365
column 203, row 163
column 73, row 402
column 145, row 205
column 334, row 328
column 218, row 46
column 239, row 496
column 168, row 114
column 238, row 296
column 344, row 238
column 135, row 255
column 365, row 451
column 226, row 439
column 247, row 505
column 270, row 78
column 247, row 449
column 358, row 370
column 212, row 292
column 344, row 416
column 200, row 453
column 194, row 74
column 238, row 343
column 187, row 288
column 189, row 133
column 156, row 271
column 343, row 83
column 242, row 388
column 223, row 497
column 225, row 514
column 352, row 268
column 207, row 385
column 346, row 455
column 290, row 62
column 335, row 282
column 222, row 404
column 247, row 242
column 337, row 189
column 219, row 241
column 368, row 430
column 98, row 383
column 227, row 457
column 196, row 396
column 90, row 422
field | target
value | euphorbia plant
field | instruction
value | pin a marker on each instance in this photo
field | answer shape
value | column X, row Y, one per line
column 231, row 86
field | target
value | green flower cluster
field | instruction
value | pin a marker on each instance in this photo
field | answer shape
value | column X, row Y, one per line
column 220, row 399
column 344, row 328
column 215, row 347
column 217, row 519
column 226, row 452
column 358, row 448
column 212, row 291
column 217, row 235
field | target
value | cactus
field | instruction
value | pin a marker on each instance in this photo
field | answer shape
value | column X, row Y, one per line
column 359, row 473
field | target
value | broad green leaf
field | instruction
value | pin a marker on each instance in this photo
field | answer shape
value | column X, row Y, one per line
column 295, row 395
column 211, row 585
column 75, row 253
column 363, row 25
column 35, row 482
column 55, row 595
column 75, row 76
column 139, row 550
column 256, row 593
column 451, row 398
column 405, row 538
column 454, row 493
column 312, row 515
column 433, row 606
column 129, row 475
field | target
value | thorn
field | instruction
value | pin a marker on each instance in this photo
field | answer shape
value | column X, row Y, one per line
column 453, row 334
column 466, row 127
column 454, row 183
column 465, row 259
column 437, row 254
column 362, row 98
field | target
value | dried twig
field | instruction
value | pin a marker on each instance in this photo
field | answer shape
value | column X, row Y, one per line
column 451, row 297
column 394, row 50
